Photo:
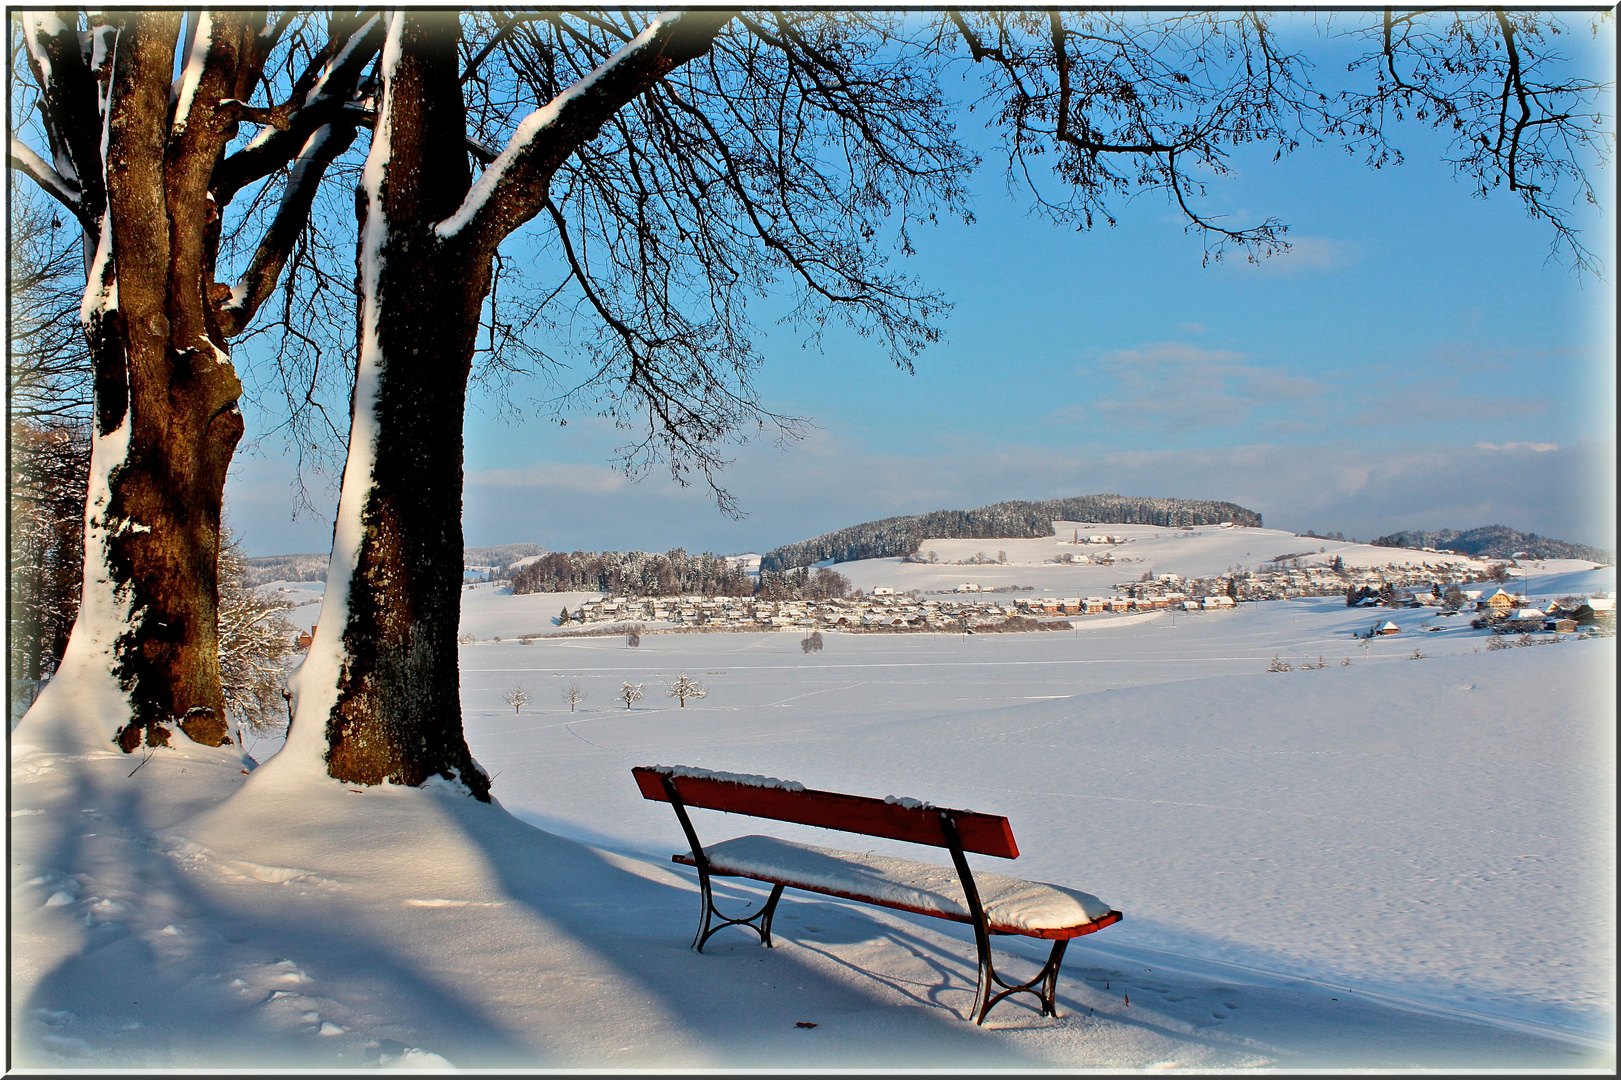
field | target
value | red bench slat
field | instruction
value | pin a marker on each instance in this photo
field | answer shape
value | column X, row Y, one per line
column 984, row 834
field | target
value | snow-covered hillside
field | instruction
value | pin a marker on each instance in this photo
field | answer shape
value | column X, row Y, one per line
column 1198, row 552
column 1397, row 862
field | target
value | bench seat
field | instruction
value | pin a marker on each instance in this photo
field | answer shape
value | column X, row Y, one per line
column 1012, row 905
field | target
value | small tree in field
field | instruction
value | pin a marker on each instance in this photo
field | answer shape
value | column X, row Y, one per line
column 1279, row 664
column 811, row 642
column 633, row 639
column 573, row 695
column 685, row 687
column 630, row 693
column 517, row 697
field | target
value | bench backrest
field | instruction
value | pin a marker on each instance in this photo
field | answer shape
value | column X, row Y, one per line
column 985, row 834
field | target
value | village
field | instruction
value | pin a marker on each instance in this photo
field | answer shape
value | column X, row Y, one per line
column 969, row 607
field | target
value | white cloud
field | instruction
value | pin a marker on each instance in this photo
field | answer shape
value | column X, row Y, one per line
column 1306, row 254
column 1174, row 386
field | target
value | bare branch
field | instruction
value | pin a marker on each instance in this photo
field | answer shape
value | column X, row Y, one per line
column 513, row 189
column 323, row 147
column 24, row 160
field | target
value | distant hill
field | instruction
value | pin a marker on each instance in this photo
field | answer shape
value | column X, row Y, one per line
column 1496, row 542
column 900, row 536
column 286, row 568
column 313, row 567
column 501, row 556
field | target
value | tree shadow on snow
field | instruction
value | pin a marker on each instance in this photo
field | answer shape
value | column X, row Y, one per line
column 741, row 1003
column 169, row 972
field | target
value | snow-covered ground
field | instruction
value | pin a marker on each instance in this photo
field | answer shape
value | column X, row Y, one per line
column 1396, row 863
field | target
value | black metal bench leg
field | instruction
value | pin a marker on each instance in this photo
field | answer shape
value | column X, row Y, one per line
column 1044, row 984
column 987, row 976
column 766, row 914
column 759, row 922
column 706, row 908
column 1049, row 982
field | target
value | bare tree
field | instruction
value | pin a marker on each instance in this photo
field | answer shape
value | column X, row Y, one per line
column 630, row 693
column 255, row 645
column 517, row 697
column 633, row 637
column 128, row 121
column 573, row 695
column 50, row 365
column 48, row 403
column 50, row 459
column 811, row 643
column 684, row 687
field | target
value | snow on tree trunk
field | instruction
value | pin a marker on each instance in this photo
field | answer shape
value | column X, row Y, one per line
column 166, row 420
column 379, row 695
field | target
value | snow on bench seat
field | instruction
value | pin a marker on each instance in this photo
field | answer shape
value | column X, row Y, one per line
column 1012, row 905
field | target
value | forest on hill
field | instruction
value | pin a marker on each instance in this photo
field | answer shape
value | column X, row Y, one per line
column 901, row 536
column 1496, row 542
column 673, row 573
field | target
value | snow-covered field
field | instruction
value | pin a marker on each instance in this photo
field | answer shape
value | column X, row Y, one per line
column 1396, row 863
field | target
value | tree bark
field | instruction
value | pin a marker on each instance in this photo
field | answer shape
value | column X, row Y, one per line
column 383, row 681
column 147, row 187
column 397, row 715
column 164, row 377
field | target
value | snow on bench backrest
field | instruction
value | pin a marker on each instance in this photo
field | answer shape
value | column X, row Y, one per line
column 785, row 800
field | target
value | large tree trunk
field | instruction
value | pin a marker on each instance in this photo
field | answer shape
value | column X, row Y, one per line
column 166, row 419
column 162, row 525
column 163, row 536
column 137, row 124
column 387, row 634
column 380, row 692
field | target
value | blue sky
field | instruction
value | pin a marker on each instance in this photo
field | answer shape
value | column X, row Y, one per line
column 1415, row 362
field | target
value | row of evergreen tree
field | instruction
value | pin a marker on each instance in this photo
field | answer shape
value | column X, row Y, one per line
column 674, row 573
column 901, row 536
column 634, row 573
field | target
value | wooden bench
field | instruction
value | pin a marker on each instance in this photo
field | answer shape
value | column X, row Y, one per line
column 991, row 903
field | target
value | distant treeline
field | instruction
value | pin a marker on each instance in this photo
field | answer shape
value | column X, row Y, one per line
column 674, row 573
column 901, row 536
column 1496, row 542
column 499, row 557
column 286, row 568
